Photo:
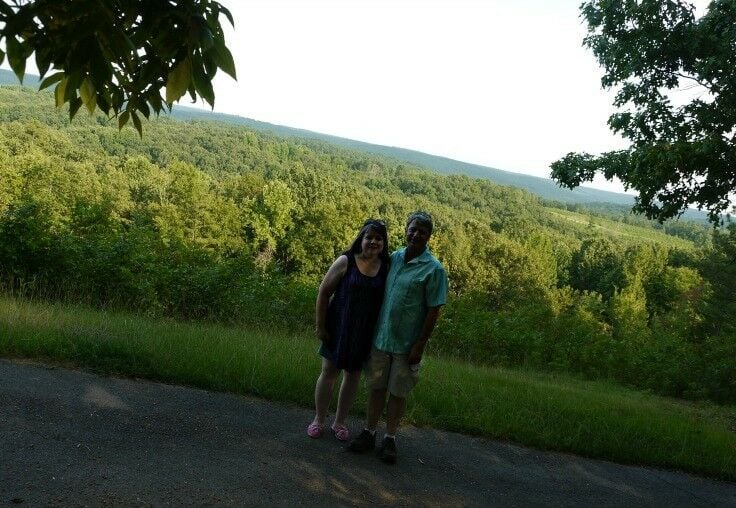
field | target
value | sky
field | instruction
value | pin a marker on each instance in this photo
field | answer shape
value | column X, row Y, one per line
column 502, row 83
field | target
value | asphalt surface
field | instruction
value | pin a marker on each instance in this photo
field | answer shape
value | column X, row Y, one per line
column 70, row 438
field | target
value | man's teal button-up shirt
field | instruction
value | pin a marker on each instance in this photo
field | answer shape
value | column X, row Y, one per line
column 411, row 289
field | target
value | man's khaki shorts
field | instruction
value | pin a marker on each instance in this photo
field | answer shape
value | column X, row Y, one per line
column 390, row 371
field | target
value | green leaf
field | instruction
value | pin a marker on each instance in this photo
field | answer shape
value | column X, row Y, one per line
column 2, row 56
column 206, row 39
column 74, row 106
column 210, row 66
column 103, row 101
column 117, row 99
column 143, row 108
column 227, row 14
column 89, row 97
column 43, row 60
column 224, row 58
column 155, row 101
column 178, row 80
column 100, row 68
column 137, row 123
column 117, row 44
column 16, row 56
column 74, row 81
column 50, row 80
column 123, row 119
column 129, row 42
column 203, row 85
column 60, row 92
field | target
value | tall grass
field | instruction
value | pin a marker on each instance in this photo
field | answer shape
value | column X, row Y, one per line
column 594, row 419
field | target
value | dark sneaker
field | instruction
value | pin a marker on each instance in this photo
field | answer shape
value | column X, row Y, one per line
column 388, row 450
column 364, row 442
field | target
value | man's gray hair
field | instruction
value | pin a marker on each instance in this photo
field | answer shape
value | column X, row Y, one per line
column 423, row 218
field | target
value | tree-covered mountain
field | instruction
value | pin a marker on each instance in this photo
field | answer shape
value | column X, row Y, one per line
column 542, row 187
column 9, row 78
column 593, row 199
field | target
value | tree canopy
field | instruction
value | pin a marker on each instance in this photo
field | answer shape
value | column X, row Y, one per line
column 676, row 98
column 117, row 55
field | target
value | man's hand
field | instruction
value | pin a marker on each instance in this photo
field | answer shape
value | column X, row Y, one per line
column 415, row 354
column 417, row 350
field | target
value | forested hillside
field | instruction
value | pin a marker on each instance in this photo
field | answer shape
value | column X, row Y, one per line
column 205, row 220
column 542, row 187
column 597, row 201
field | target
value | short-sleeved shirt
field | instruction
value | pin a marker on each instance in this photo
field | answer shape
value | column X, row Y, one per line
column 411, row 289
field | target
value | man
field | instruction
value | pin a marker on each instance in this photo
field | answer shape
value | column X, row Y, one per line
column 416, row 289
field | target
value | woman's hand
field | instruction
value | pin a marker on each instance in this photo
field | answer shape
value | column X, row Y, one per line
column 321, row 333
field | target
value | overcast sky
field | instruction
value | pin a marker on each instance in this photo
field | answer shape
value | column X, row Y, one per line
column 503, row 83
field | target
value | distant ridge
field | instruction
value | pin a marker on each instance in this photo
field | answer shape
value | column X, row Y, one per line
column 542, row 187
column 8, row 78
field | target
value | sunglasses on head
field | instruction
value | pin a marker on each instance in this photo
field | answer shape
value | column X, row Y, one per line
column 375, row 222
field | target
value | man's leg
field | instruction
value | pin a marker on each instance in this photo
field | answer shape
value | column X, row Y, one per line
column 376, row 402
column 377, row 373
column 402, row 380
column 366, row 440
column 394, row 413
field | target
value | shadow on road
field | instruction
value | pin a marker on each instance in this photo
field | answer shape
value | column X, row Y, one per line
column 73, row 438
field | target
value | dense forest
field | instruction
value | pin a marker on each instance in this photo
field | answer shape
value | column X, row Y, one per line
column 593, row 200
column 205, row 220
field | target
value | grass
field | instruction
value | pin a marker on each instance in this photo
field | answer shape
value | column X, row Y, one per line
column 552, row 412
column 621, row 230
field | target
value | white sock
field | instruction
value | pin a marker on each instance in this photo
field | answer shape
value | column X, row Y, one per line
column 391, row 436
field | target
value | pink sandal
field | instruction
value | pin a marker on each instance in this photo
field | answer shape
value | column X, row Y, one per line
column 315, row 430
column 341, row 432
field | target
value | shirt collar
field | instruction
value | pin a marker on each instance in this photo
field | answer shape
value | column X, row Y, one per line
column 421, row 258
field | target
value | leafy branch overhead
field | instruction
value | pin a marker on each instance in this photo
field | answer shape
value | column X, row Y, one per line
column 117, row 55
column 676, row 97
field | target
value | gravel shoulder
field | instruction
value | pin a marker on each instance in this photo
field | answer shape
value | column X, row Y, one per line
column 70, row 438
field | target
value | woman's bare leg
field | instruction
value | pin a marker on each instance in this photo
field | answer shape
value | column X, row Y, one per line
column 323, row 390
column 348, row 391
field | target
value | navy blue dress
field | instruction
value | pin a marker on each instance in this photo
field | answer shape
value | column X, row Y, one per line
column 352, row 315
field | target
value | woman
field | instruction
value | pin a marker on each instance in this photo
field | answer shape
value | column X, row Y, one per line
column 348, row 304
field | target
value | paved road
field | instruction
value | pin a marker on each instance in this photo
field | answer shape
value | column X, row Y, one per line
column 71, row 438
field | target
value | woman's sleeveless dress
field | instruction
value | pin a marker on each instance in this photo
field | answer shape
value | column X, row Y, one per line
column 352, row 315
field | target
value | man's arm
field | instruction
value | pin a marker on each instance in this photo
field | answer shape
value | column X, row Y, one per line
column 417, row 350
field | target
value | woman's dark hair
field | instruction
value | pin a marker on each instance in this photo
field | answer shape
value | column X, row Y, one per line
column 379, row 227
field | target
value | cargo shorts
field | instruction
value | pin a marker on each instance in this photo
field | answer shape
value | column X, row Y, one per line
column 391, row 371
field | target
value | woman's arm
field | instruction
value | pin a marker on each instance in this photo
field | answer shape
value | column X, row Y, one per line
column 326, row 289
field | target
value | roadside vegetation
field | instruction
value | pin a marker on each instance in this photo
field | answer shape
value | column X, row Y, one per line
column 553, row 412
